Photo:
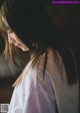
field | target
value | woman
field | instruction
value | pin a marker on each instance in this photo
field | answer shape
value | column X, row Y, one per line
column 49, row 82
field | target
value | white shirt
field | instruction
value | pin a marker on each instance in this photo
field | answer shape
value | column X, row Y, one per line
column 33, row 95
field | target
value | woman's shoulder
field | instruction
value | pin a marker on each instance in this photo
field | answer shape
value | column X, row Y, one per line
column 31, row 72
column 53, row 58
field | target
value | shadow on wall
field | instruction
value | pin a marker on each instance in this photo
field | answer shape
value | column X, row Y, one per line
column 65, row 17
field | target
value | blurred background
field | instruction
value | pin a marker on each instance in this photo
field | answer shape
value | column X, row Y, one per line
column 66, row 19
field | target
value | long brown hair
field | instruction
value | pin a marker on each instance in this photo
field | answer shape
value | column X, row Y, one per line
column 39, row 48
column 10, row 50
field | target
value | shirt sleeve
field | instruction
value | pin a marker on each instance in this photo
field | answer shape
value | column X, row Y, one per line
column 34, row 95
column 16, row 102
column 41, row 98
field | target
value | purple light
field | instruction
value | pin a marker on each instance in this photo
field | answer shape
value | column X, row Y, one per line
column 65, row 2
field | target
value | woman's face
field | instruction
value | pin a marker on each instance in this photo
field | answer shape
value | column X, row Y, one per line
column 13, row 38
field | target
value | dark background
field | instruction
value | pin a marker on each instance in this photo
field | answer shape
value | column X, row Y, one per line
column 66, row 19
